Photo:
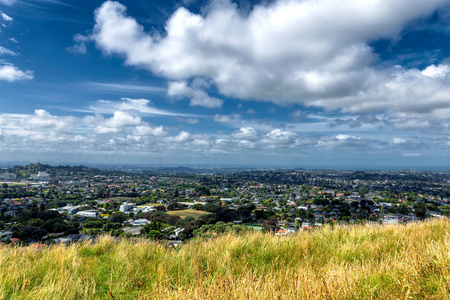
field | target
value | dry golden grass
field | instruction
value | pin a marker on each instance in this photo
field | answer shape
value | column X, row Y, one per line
column 188, row 213
column 406, row 262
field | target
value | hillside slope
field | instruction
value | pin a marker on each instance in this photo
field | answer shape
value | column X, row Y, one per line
column 358, row 263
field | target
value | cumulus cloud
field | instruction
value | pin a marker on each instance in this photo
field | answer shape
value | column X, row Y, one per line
column 180, row 89
column 245, row 133
column 343, row 141
column 312, row 52
column 42, row 119
column 180, row 138
column 117, row 122
column 279, row 137
column 126, row 133
column 11, row 73
column 147, row 130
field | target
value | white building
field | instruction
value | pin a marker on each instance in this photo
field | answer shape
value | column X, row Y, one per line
column 125, row 207
column 139, row 222
column 88, row 213
column 40, row 176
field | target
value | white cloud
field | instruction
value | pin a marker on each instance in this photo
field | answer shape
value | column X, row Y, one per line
column 13, row 40
column 398, row 141
column 233, row 118
column 11, row 73
column 279, row 137
column 345, row 141
column 179, row 89
column 246, row 133
column 411, row 154
column 147, row 130
column 6, row 51
column 125, row 134
column 80, row 46
column 436, row 71
column 43, row 119
column 117, row 122
column 141, row 106
column 78, row 49
column 121, row 87
column 343, row 137
column 312, row 52
column 4, row 16
column 182, row 137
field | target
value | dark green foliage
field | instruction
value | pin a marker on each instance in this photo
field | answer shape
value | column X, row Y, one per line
column 176, row 206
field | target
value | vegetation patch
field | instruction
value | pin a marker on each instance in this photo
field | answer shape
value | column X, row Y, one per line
column 189, row 213
column 360, row 262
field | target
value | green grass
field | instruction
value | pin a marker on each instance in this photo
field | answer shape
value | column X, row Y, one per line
column 404, row 262
column 152, row 204
column 254, row 226
column 188, row 213
column 9, row 183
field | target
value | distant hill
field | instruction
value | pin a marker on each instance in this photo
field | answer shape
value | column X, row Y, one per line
column 34, row 168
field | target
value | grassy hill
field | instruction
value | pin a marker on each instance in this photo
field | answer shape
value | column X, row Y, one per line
column 406, row 262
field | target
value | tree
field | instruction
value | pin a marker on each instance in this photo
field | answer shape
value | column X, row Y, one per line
column 176, row 206
column 269, row 226
column 155, row 235
column 118, row 217
column 421, row 210
column 198, row 206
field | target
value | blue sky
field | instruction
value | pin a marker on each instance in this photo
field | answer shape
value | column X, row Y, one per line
column 288, row 82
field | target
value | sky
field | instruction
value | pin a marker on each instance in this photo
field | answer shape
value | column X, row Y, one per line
column 220, row 82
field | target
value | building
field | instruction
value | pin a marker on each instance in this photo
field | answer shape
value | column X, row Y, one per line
column 126, row 207
column 8, row 176
column 40, row 176
column 139, row 222
column 88, row 213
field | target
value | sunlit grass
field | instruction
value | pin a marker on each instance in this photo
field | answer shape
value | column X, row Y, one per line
column 356, row 263
column 188, row 213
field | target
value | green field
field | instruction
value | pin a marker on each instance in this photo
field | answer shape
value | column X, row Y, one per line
column 188, row 213
column 359, row 262
column 152, row 204
column 254, row 226
column 9, row 183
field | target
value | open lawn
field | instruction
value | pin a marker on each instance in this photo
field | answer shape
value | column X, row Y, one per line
column 254, row 226
column 188, row 213
column 9, row 183
column 360, row 262
column 152, row 204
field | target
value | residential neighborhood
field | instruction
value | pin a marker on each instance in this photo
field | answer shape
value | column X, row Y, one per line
column 63, row 204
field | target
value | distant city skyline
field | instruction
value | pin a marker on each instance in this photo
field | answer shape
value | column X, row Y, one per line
column 263, row 83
